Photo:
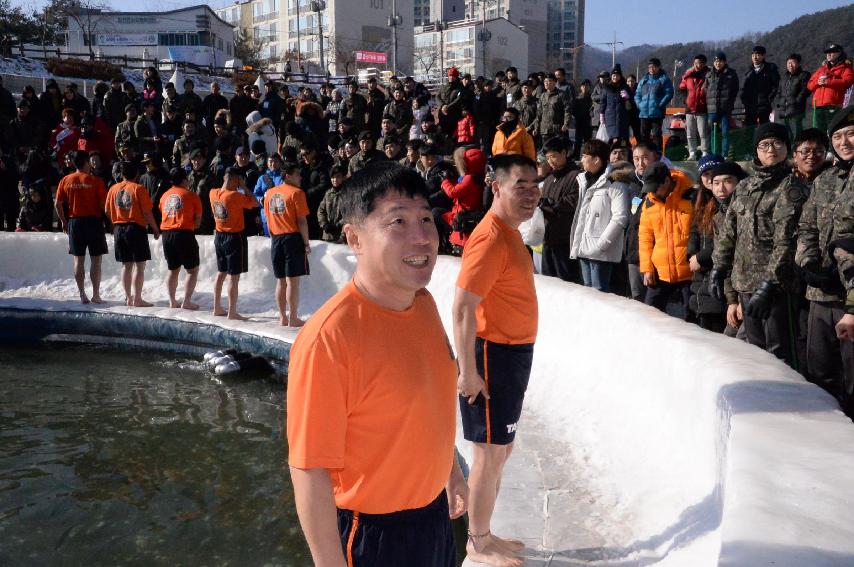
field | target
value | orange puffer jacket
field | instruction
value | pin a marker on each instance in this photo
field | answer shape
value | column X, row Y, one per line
column 519, row 142
column 839, row 78
column 664, row 230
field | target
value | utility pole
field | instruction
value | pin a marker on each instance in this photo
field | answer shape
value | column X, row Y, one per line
column 299, row 50
column 440, row 27
column 317, row 6
column 484, row 35
column 393, row 22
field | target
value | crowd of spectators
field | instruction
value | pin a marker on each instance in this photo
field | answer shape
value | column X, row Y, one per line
column 756, row 251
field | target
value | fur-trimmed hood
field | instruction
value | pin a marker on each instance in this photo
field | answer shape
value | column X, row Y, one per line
column 622, row 172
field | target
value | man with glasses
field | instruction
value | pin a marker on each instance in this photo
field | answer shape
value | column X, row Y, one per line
column 810, row 156
column 756, row 245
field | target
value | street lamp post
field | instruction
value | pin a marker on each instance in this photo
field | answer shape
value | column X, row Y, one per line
column 440, row 27
column 393, row 22
column 317, row 6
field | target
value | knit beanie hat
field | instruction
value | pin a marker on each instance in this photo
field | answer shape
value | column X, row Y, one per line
column 707, row 162
column 729, row 168
column 771, row 130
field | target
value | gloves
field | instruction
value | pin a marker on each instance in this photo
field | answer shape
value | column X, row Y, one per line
column 716, row 285
column 760, row 304
column 817, row 276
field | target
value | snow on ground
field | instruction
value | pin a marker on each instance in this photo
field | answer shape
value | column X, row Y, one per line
column 644, row 441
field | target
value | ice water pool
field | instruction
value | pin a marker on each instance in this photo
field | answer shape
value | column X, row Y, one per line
column 111, row 457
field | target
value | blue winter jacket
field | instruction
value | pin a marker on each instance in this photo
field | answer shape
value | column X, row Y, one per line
column 652, row 95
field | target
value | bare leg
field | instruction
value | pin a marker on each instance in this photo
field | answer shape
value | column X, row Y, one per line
column 233, row 281
column 172, row 287
column 138, row 281
column 281, row 300
column 510, row 543
column 95, row 276
column 127, row 277
column 293, row 302
column 220, row 279
column 482, row 546
column 79, row 263
column 189, row 288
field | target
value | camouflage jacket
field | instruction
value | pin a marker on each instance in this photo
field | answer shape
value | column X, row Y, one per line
column 555, row 111
column 201, row 183
column 828, row 215
column 527, row 107
column 757, row 240
column 182, row 148
column 126, row 135
column 361, row 160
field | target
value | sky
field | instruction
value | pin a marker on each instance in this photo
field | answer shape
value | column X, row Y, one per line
column 670, row 21
column 635, row 21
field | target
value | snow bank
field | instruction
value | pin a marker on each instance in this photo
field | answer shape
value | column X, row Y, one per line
column 717, row 453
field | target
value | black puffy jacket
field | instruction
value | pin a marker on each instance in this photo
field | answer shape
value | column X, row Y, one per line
column 721, row 90
column 760, row 88
column 793, row 95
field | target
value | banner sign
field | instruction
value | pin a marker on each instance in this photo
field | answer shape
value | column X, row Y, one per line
column 371, row 57
column 117, row 39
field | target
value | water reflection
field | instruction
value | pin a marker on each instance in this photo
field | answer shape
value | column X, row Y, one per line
column 110, row 458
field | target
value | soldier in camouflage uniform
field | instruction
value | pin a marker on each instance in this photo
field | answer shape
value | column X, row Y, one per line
column 554, row 115
column 756, row 245
column 354, row 106
column 367, row 153
column 827, row 223
column 200, row 181
column 527, row 105
column 126, row 131
column 185, row 145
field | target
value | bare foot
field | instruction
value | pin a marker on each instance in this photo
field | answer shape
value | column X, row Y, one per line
column 492, row 554
column 189, row 305
column 83, row 299
column 237, row 317
column 283, row 321
column 219, row 311
column 296, row 322
column 97, row 299
column 174, row 304
column 509, row 543
column 142, row 303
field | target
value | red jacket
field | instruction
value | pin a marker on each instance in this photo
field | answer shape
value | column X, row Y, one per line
column 62, row 141
column 468, row 193
column 694, row 83
column 832, row 93
column 465, row 130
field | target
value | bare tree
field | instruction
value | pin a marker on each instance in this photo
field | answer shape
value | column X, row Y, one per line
column 86, row 14
column 345, row 54
column 427, row 57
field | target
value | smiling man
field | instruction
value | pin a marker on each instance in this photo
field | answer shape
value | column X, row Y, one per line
column 371, row 392
column 495, row 326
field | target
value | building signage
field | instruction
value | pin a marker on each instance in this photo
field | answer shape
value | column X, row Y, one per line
column 118, row 39
column 371, row 57
column 136, row 19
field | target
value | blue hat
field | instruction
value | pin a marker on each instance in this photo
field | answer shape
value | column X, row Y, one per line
column 707, row 162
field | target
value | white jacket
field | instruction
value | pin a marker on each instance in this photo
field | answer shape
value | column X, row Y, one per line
column 261, row 129
column 600, row 220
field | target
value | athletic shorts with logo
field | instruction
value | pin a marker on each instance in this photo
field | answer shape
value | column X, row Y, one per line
column 413, row 538
column 86, row 233
column 505, row 370
column 180, row 249
column 230, row 252
column 289, row 257
column 131, row 243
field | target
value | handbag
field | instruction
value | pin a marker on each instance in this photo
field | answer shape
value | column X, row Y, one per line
column 465, row 221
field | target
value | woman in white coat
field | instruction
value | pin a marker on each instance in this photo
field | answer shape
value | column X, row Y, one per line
column 602, row 215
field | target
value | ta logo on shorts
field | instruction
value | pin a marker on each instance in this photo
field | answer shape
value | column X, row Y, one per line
column 219, row 211
column 511, row 428
column 173, row 205
column 123, row 200
column 277, row 204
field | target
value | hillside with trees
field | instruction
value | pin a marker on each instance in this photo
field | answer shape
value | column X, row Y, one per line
column 807, row 35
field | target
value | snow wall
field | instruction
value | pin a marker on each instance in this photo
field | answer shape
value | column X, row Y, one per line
column 714, row 451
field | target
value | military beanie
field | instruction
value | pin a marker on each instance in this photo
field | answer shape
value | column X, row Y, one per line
column 771, row 130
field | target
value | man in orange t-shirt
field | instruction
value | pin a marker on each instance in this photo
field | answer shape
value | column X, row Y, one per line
column 495, row 326
column 286, row 209
column 371, row 436
column 79, row 205
column 227, row 205
column 181, row 211
column 129, row 208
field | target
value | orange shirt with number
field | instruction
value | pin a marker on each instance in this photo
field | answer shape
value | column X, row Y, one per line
column 497, row 267
column 227, row 207
column 284, row 205
column 372, row 398
column 179, row 208
column 84, row 193
column 127, row 202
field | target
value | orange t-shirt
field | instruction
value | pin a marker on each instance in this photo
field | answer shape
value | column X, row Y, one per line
column 372, row 398
column 127, row 202
column 497, row 267
column 227, row 207
column 283, row 206
column 179, row 208
column 84, row 193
